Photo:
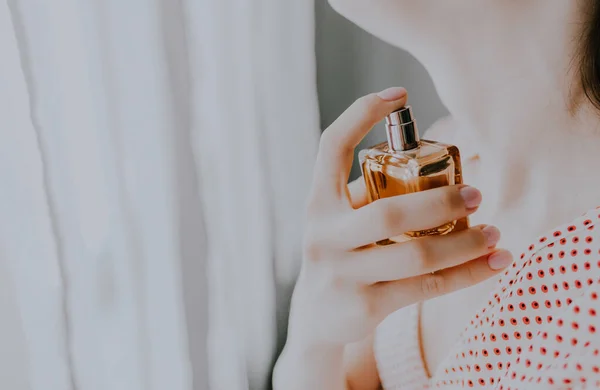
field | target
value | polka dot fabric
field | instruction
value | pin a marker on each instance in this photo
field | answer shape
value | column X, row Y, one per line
column 539, row 330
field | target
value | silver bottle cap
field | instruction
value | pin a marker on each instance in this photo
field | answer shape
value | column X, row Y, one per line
column 402, row 131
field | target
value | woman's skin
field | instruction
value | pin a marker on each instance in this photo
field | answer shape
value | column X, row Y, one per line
column 507, row 72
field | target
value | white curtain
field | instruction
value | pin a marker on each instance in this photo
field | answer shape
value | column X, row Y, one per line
column 154, row 160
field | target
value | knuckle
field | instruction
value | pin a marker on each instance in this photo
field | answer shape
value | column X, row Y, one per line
column 388, row 214
column 445, row 201
column 475, row 239
column 432, row 284
column 452, row 198
column 368, row 101
column 327, row 141
column 419, row 251
column 313, row 248
column 367, row 105
column 471, row 274
column 332, row 143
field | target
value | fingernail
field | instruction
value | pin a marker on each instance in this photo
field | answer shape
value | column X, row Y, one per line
column 471, row 197
column 392, row 94
column 500, row 260
column 492, row 235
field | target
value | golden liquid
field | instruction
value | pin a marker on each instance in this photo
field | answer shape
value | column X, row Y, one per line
column 431, row 166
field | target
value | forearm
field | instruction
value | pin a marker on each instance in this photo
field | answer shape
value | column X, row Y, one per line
column 302, row 368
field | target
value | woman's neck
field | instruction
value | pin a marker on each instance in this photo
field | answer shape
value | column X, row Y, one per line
column 505, row 75
column 547, row 174
column 517, row 103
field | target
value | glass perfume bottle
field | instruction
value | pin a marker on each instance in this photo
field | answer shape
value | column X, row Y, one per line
column 405, row 164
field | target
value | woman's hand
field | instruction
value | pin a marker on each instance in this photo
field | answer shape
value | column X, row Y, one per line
column 347, row 286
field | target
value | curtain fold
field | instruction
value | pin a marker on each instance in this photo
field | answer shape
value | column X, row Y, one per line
column 255, row 137
column 32, row 326
column 154, row 161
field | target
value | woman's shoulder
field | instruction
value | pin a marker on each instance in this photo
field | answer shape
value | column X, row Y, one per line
column 542, row 315
column 570, row 253
column 549, row 300
column 554, row 271
column 555, row 268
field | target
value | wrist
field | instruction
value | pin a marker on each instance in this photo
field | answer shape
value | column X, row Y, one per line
column 307, row 338
column 311, row 349
column 305, row 365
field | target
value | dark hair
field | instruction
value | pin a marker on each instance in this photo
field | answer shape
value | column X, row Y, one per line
column 590, row 56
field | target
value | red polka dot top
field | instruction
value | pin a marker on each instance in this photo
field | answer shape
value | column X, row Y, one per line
column 539, row 330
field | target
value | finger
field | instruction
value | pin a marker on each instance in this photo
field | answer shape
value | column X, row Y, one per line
column 390, row 296
column 390, row 217
column 339, row 140
column 357, row 193
column 417, row 257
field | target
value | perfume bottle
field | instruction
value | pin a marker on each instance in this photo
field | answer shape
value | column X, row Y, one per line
column 405, row 164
